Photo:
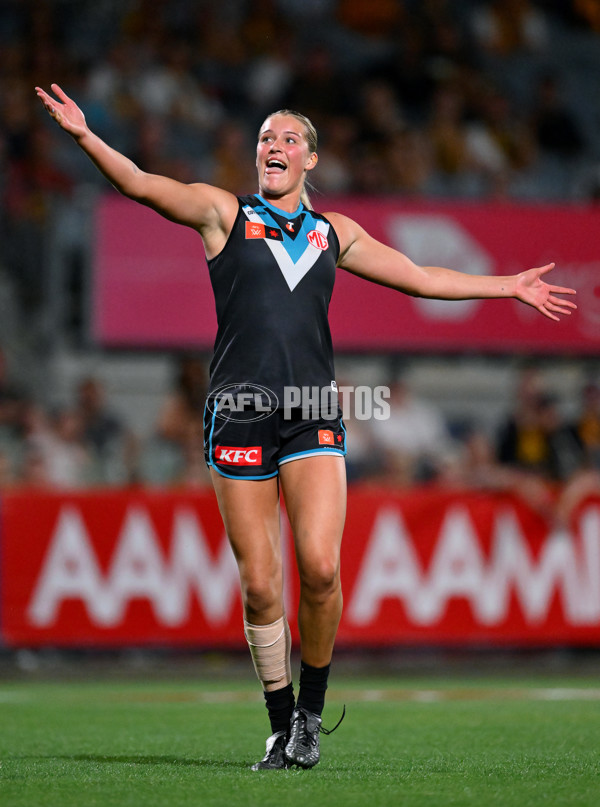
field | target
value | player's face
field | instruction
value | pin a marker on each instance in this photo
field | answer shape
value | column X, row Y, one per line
column 282, row 155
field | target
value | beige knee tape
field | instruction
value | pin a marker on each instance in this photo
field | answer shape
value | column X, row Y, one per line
column 270, row 647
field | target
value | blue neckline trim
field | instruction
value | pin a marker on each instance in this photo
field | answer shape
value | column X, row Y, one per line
column 278, row 210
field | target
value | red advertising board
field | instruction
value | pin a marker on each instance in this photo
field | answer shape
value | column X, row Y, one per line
column 425, row 566
column 152, row 287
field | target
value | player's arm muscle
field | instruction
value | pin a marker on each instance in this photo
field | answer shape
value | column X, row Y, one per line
column 195, row 205
column 363, row 255
column 366, row 257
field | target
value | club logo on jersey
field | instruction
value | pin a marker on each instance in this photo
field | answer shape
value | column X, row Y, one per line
column 317, row 239
column 258, row 230
column 325, row 437
column 230, row 455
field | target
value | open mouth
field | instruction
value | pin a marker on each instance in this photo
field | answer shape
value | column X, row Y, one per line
column 275, row 166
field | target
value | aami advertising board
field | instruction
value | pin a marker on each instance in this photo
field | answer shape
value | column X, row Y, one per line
column 425, row 566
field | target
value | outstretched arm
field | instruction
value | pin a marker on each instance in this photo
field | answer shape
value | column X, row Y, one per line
column 366, row 257
column 197, row 205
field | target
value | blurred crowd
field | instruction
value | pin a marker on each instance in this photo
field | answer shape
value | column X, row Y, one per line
column 437, row 98
column 471, row 99
column 538, row 449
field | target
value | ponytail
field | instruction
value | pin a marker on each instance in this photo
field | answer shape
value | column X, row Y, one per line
column 305, row 198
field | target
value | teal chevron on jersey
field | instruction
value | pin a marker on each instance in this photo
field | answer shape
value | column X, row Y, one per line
column 294, row 244
column 295, row 257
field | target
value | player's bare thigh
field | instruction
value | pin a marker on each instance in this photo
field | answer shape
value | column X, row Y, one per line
column 251, row 515
column 314, row 490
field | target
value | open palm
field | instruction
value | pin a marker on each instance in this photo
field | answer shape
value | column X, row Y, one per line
column 534, row 291
column 67, row 114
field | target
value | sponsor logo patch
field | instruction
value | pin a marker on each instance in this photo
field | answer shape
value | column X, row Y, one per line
column 255, row 229
column 231, row 455
column 325, row 437
column 317, row 239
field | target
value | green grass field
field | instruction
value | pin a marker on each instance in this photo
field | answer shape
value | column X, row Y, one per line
column 423, row 741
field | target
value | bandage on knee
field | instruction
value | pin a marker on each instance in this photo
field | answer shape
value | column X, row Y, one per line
column 270, row 647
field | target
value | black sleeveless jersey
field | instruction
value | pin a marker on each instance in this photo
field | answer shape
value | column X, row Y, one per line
column 272, row 283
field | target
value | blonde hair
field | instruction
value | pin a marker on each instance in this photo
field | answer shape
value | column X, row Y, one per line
column 310, row 135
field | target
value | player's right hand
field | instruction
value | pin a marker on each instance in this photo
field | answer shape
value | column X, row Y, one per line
column 67, row 114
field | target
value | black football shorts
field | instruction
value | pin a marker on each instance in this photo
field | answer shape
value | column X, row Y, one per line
column 254, row 445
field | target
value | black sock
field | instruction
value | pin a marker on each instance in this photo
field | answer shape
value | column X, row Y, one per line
column 280, row 705
column 313, row 685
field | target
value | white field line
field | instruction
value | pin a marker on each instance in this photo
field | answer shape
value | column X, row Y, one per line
column 469, row 694
column 10, row 696
column 425, row 695
column 349, row 695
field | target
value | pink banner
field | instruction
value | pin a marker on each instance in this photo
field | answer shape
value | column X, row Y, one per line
column 425, row 566
column 152, row 287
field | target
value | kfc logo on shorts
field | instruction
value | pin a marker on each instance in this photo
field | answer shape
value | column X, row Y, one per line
column 317, row 239
column 325, row 437
column 228, row 455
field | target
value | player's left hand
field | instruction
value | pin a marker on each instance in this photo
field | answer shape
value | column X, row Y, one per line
column 534, row 291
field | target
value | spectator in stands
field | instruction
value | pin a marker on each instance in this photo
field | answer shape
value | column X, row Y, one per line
column 586, row 426
column 170, row 455
column 409, row 162
column 370, row 175
column 12, row 402
column 585, row 480
column 100, row 425
column 340, row 133
column 363, row 460
column 535, row 437
column 270, row 74
column 30, row 186
column 55, row 452
column 262, row 26
column 506, row 26
column 32, row 471
column 113, row 446
column 375, row 19
column 318, row 87
column 413, row 440
column 110, row 86
column 589, row 11
column 166, row 87
column 194, row 471
column 232, row 158
column 446, row 130
column 555, row 126
column 409, row 71
column 8, row 476
column 499, row 143
column 520, row 440
column 380, row 113
column 185, row 401
column 154, row 146
column 474, row 466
